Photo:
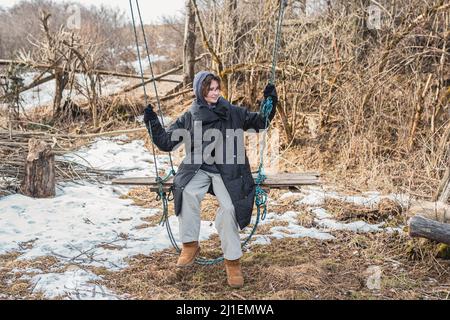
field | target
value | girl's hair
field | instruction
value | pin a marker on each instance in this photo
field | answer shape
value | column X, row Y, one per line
column 207, row 82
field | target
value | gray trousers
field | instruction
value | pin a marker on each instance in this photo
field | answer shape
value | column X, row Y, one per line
column 225, row 222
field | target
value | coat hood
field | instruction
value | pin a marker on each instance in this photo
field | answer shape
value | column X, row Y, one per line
column 197, row 86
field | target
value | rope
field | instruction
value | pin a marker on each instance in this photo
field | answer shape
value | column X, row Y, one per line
column 153, row 76
column 143, row 83
column 265, row 110
column 283, row 5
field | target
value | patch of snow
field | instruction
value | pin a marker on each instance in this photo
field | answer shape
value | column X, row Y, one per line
column 261, row 240
column 107, row 154
column 167, row 120
column 320, row 213
column 112, row 85
column 292, row 230
column 290, row 194
column 313, row 197
column 289, row 216
column 44, row 93
column 144, row 61
column 39, row 95
column 86, row 224
column 296, row 231
column 74, row 284
column 356, row 226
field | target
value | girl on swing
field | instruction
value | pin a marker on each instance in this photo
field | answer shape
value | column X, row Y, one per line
column 230, row 181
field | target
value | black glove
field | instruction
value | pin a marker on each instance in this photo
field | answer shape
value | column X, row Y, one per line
column 149, row 114
column 271, row 91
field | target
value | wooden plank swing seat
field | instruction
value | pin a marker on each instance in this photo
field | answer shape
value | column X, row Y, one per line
column 273, row 181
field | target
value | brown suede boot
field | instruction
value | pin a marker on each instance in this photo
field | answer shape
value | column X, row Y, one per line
column 188, row 254
column 234, row 274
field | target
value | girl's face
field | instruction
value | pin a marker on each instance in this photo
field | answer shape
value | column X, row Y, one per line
column 213, row 92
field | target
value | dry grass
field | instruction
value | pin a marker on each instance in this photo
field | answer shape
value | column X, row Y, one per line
column 142, row 196
column 386, row 210
column 285, row 269
column 293, row 269
column 12, row 270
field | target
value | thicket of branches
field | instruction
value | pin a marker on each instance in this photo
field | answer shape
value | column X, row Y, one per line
column 372, row 102
column 41, row 34
column 368, row 102
column 21, row 23
column 109, row 27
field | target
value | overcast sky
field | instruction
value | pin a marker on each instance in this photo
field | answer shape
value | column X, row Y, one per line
column 151, row 10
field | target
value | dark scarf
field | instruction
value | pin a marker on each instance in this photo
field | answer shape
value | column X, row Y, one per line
column 210, row 115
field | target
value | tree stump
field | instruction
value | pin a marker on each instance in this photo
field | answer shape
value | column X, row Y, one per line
column 39, row 180
column 430, row 229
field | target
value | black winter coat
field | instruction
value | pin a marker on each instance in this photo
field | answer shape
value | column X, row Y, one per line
column 237, row 177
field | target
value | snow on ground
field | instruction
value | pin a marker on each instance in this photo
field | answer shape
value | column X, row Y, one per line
column 313, row 197
column 117, row 154
column 292, row 230
column 75, row 284
column 44, row 93
column 37, row 96
column 90, row 225
column 144, row 61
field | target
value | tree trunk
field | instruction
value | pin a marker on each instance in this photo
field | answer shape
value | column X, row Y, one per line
column 189, row 44
column 93, row 100
column 229, row 43
column 39, row 180
column 430, row 229
column 362, row 32
column 60, row 84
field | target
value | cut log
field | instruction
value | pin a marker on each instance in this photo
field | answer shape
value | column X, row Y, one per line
column 429, row 229
column 39, row 179
column 278, row 181
column 444, row 189
column 438, row 211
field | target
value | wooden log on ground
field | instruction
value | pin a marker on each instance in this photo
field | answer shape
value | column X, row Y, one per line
column 39, row 179
column 278, row 181
column 434, row 210
column 429, row 229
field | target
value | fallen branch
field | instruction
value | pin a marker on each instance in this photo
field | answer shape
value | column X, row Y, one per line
column 158, row 77
column 173, row 95
column 429, row 229
column 76, row 136
column 94, row 71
